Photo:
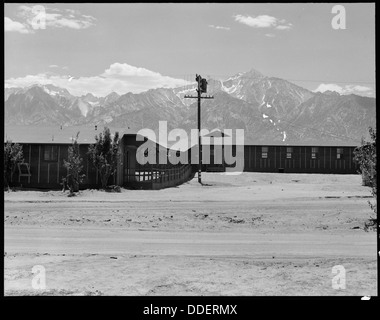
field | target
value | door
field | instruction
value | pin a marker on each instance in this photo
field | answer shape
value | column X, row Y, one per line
column 130, row 164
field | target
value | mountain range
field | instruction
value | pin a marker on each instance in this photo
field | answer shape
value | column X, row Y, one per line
column 269, row 109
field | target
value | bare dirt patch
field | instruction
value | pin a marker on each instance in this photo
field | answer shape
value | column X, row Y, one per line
column 253, row 234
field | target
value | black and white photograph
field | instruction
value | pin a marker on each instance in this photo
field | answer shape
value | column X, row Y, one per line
column 190, row 150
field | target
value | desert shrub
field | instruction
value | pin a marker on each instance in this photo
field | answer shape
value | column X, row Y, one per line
column 12, row 156
column 365, row 156
column 105, row 154
column 74, row 167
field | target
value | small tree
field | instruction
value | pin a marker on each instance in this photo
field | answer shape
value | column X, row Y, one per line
column 74, row 168
column 365, row 156
column 12, row 156
column 105, row 154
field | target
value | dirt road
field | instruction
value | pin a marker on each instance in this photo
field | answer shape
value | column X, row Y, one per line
column 208, row 244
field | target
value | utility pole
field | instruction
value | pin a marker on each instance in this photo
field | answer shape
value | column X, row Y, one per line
column 202, row 88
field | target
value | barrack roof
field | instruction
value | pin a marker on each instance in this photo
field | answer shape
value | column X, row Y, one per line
column 57, row 134
column 64, row 135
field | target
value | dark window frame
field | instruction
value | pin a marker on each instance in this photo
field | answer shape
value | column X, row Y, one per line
column 314, row 152
column 289, row 152
column 339, row 153
column 52, row 153
column 264, row 152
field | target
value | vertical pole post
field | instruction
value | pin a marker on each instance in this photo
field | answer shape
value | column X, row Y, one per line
column 199, row 133
column 198, row 78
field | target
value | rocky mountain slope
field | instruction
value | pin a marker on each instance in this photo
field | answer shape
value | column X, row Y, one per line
column 267, row 108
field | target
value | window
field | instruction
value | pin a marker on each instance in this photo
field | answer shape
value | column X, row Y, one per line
column 289, row 151
column 339, row 153
column 50, row 153
column 314, row 152
column 264, row 152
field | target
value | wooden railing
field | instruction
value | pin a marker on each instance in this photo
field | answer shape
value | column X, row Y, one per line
column 159, row 177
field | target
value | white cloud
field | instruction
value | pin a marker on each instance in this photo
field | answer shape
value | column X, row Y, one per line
column 71, row 11
column 347, row 89
column 55, row 18
column 10, row 25
column 328, row 87
column 362, row 88
column 219, row 27
column 119, row 77
column 58, row 21
column 263, row 21
column 270, row 35
column 126, row 70
column 281, row 27
column 55, row 66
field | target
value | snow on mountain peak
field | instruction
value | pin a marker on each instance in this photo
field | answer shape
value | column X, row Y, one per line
column 49, row 91
column 82, row 107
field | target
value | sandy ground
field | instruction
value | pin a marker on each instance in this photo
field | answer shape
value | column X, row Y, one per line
column 252, row 234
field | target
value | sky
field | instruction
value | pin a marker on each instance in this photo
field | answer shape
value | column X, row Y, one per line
column 134, row 47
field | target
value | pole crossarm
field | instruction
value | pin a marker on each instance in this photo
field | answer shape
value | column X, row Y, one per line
column 195, row 97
